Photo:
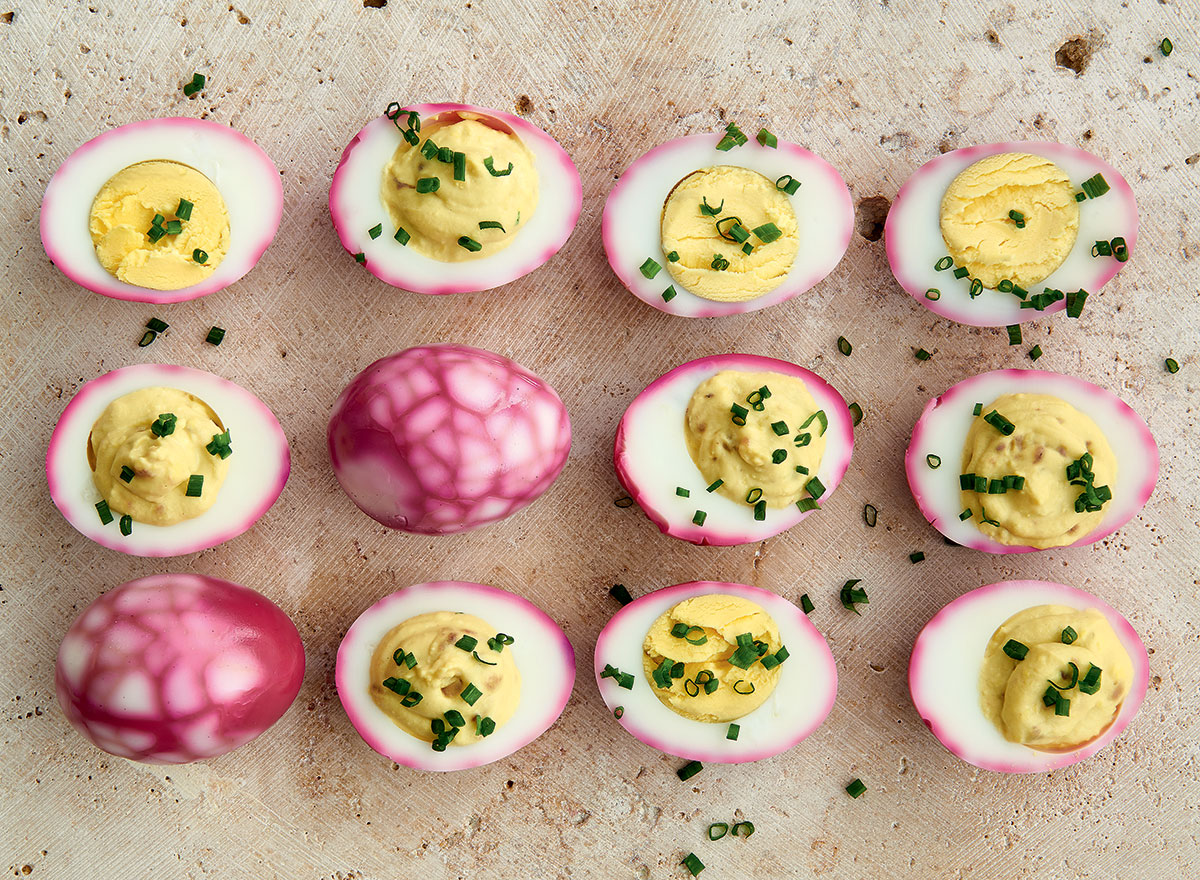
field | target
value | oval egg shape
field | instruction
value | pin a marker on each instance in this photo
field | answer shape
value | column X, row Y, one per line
column 914, row 240
column 942, row 430
column 356, row 206
column 174, row 668
column 245, row 176
column 652, row 460
column 802, row 699
column 543, row 654
column 633, row 213
column 943, row 675
column 258, row 468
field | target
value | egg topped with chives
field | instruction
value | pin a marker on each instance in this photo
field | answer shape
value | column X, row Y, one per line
column 450, row 198
column 998, row 234
column 722, row 224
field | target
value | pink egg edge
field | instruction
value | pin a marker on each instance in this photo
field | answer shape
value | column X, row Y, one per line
column 1115, row 179
column 913, row 458
column 553, row 708
column 699, row 534
column 128, row 292
column 754, row 594
column 528, row 131
column 1040, row 761
column 780, row 294
column 99, row 384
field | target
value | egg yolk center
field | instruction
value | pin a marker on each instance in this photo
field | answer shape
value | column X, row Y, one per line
column 981, row 232
column 1062, row 462
column 160, row 225
column 732, row 232
column 1054, row 677
column 759, row 436
column 446, row 678
column 464, row 191
column 150, row 456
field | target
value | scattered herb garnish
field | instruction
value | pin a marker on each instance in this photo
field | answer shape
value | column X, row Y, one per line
column 669, row 294
column 698, row 517
column 743, row 829
column 147, row 337
column 719, row 263
column 922, row 355
column 767, row 233
column 934, row 461
column 856, row 788
column 428, row 184
column 105, row 514
column 708, row 210
column 164, row 425
column 717, row 830
column 933, row 294
column 1171, row 365
column 733, row 137
column 999, row 422
column 673, row 257
column 219, row 445
column 465, row 241
column 1018, row 219
column 466, row 643
column 491, row 169
column 916, row 557
column 870, row 515
column 850, row 596
column 844, row 346
column 126, row 525
column 790, row 187
column 400, row 686
column 1014, row 334
column 195, row 85
column 856, row 414
column 1035, row 352
column 1091, row 681
column 693, row 864
column 1095, row 186
column 806, row 604
column 1166, row 46
column 470, row 694
column 961, row 272
column 944, row 263
column 375, row 231
column 195, row 486
column 650, row 268
column 402, row 235
column 743, row 693
column 491, row 224
column 688, row 770
column 766, row 139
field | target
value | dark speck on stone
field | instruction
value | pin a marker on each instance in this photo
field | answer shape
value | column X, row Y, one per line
column 374, row 4
column 870, row 217
column 1074, row 55
column 524, row 105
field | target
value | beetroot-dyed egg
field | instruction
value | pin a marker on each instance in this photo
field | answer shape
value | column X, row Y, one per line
column 258, row 466
column 654, row 465
column 544, row 660
column 633, row 214
column 174, row 668
column 918, row 253
column 366, row 229
column 944, row 673
column 940, row 433
column 245, row 176
column 801, row 700
column 440, row 439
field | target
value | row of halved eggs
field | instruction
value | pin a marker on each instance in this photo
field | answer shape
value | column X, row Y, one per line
column 818, row 197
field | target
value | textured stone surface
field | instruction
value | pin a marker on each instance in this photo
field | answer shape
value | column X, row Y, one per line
column 876, row 88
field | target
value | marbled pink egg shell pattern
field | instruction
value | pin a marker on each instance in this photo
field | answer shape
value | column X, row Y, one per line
column 440, row 439
column 175, row 668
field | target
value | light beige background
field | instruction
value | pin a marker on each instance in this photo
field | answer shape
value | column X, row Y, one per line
column 876, row 88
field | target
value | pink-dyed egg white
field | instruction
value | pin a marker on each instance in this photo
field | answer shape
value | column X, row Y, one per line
column 941, row 432
column 357, row 207
column 258, row 467
column 943, row 675
column 801, row 700
column 652, row 460
column 174, row 668
column 543, row 655
column 439, row 439
column 915, row 245
column 633, row 214
column 244, row 175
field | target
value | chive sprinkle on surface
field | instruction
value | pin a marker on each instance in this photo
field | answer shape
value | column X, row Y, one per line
column 693, row 864
column 402, row 235
column 126, row 525
column 1166, row 46
column 1172, row 365
column 491, row 168
column 467, row 643
column 650, row 268
column 806, row 604
column 147, row 337
column 375, row 231
column 844, row 346
column 688, row 770
column 717, row 830
column 105, row 514
column 465, row 241
column 856, row 414
column 157, row 325
column 766, row 139
column 870, row 515
column 742, row 829
column 669, row 294
column 856, row 788
column 1014, row 334
column 916, row 557
column 215, row 335
column 1015, row 649
column 195, row 486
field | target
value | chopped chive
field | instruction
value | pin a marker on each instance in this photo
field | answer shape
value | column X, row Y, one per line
column 934, row 461
column 806, row 604
column 983, row 517
column 692, row 640
column 801, row 469
column 126, row 473
column 870, row 515
column 157, row 220
column 650, row 268
column 465, row 241
column 996, row 487
column 1172, row 365
column 747, row 249
column 618, row 712
column 743, row 829
column 778, row 455
column 1091, row 681
column 916, row 557
column 714, row 485
column 669, row 294
column 460, row 166
column 760, row 511
column 844, row 346
column 1015, row 481
column 157, row 325
column 105, row 514
column 1035, row 352
column 164, row 425
column 1016, row 649
column 1018, row 218
column 455, row 719
column 961, row 272
column 717, row 830
column 428, row 184
column 850, row 596
column 403, row 658
column 733, row 137
column 691, row 688
column 429, row 149
column 1063, row 707
column 815, row 487
column 126, row 525
column 743, row 693
column 688, row 770
column 719, row 263
column 470, row 694
column 820, row 417
column 487, row 163
column 155, row 233
column 400, row 686
column 1019, row 292
column 976, row 288
column 856, row 788
column 1001, row 424
column 195, row 85
column 1079, row 196
column 173, row 227
column 219, row 445
column 708, row 210
column 445, row 155
column 922, row 355
column 753, row 495
column 933, row 294
column 1014, row 334
column 466, row 643
column 402, row 235
column 1005, row 286
column 1095, row 186
column 977, row 411
column 698, row 517
column 780, row 428
column 1120, row 249
column 739, row 414
column 790, row 187
column 682, row 492
column 693, row 864
column 981, row 484
column 1075, row 301
column 199, row 256
column 766, row 139
column 411, row 699
column 679, row 629
column 375, row 231
column 1102, row 249
column 486, row 726
column 944, row 263
column 195, row 486
column 966, row 515
column 673, row 257
column 360, row 257
column 729, row 234
column 1166, row 46
column 966, row 482
column 767, row 233
column 856, row 414
column 806, row 504
column 491, row 224
column 732, row 734
column 147, row 337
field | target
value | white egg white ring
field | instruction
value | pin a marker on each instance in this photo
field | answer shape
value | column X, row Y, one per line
column 356, row 205
column 943, row 674
column 652, row 460
column 801, row 700
column 543, row 655
column 632, row 223
column 245, row 176
column 942, row 431
column 914, row 240
column 258, row 468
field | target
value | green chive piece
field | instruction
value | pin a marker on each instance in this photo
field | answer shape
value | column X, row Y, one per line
column 1102, row 249
column 486, row 726
column 199, row 256
column 717, row 830
column 487, row 163
column 375, row 231
column 850, row 596
column 806, row 504
column 694, row 640
column 961, row 272
column 428, row 184
column 1095, row 186
column 164, row 425
column 105, row 514
column 184, row 211
column 620, row 593
column 429, row 149
column 733, row 137
column 820, row 417
column 996, row 487
column 790, row 187
column 708, row 210
column 157, row 220
column 806, row 604
column 732, row 734
column 195, row 85
column 976, row 288
column 1016, row 649
column 1014, row 334
column 465, row 241
column 739, row 414
column 195, row 486
column 767, row 233
column 147, row 337
column 1063, row 707
column 801, row 469
column 760, row 511
column 466, row 643
column 1079, row 196
column 944, row 263
column 780, row 428
column 933, row 294
column 916, row 557
column 778, row 455
column 669, row 294
column 402, row 235
column 673, row 257
column 766, row 139
column 856, row 788
column 1018, row 218
column 491, row 224
column 679, row 629
column 754, row 495
column 650, row 268
column 743, row 829
column 966, row 482
column 455, row 719
column 1019, row 292
column 470, row 694
column 966, row 515
column 399, row 686
column 219, row 445
column 698, row 517
column 922, row 355
column 856, row 414
column 977, row 411
column 126, row 473
column 1166, row 46
column 728, row 234
column 460, row 166
column 411, row 699
column 1035, row 352
column 682, row 492
column 934, row 461
column 1001, row 424
column 1120, row 249
column 445, row 155
column 714, row 485
column 1172, row 365
column 360, row 257
column 126, row 525
column 1005, row 286
column 1091, row 681
column 155, row 233
column 173, row 227
column 844, row 346
column 157, row 325
column 743, row 693
column 693, row 864
column 688, row 770
column 617, row 712
column 815, row 487
column 719, row 263
column 870, row 515
column 747, row 249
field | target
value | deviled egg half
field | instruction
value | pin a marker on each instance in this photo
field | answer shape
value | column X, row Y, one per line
column 160, row 460
column 174, row 668
column 1027, row 676
column 714, row 671
column 998, row 234
column 161, row 211
column 722, row 224
column 450, row 674
column 450, row 198
column 1013, row 461
column 732, row 449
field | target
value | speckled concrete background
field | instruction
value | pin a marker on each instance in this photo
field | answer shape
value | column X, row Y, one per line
column 877, row 88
